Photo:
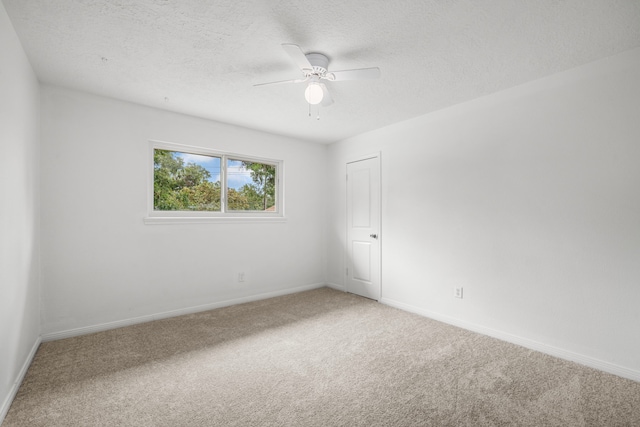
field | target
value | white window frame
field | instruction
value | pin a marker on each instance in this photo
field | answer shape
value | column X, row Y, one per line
column 200, row 217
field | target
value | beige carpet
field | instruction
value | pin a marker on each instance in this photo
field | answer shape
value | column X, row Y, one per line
column 318, row 358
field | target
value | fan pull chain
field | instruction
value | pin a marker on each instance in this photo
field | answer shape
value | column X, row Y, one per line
column 317, row 114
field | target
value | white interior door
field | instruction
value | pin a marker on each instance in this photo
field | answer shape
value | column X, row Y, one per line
column 363, row 227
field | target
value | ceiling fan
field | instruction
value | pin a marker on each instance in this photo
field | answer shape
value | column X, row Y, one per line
column 314, row 71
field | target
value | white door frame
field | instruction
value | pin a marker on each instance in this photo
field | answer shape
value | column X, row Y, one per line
column 346, row 213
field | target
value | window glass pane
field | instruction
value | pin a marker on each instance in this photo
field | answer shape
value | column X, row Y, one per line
column 185, row 181
column 251, row 186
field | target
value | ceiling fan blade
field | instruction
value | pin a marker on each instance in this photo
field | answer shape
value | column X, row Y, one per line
column 298, row 56
column 359, row 74
column 282, row 82
column 326, row 96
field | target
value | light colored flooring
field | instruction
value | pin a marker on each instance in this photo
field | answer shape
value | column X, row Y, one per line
column 317, row 358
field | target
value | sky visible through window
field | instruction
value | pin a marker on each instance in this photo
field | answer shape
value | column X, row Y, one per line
column 237, row 176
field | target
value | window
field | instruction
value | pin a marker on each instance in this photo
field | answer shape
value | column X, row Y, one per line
column 185, row 181
column 190, row 182
column 251, row 186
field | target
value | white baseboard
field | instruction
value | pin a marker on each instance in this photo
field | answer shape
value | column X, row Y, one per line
column 591, row 362
column 336, row 287
column 52, row 336
column 4, row 409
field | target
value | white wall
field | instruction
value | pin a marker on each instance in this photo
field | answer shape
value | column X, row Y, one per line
column 530, row 200
column 19, row 228
column 101, row 263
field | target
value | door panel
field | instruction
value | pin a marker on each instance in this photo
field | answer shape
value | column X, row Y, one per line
column 361, row 261
column 363, row 227
column 361, row 203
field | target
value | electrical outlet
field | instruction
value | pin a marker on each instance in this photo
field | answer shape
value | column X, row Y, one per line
column 241, row 276
column 457, row 292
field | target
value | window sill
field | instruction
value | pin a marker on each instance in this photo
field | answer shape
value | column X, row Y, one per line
column 167, row 220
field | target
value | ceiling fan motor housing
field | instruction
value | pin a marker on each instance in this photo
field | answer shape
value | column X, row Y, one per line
column 319, row 62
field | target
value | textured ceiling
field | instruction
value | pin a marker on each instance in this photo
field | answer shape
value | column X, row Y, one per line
column 203, row 57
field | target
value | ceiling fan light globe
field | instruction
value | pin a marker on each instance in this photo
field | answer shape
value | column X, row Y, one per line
column 313, row 93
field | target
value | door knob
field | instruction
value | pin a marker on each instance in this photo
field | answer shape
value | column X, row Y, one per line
column 375, row 236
